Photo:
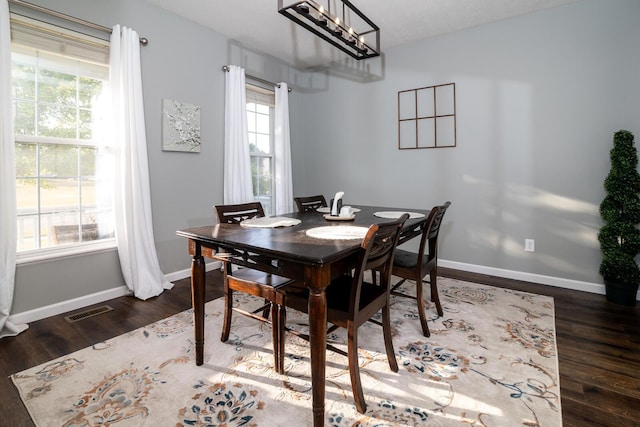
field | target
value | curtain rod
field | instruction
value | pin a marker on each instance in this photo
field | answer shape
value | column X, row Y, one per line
column 225, row 68
column 143, row 41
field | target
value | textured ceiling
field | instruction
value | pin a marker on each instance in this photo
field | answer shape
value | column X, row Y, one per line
column 256, row 24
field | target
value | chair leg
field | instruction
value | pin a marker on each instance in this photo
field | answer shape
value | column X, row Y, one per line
column 275, row 336
column 228, row 310
column 434, row 291
column 388, row 341
column 354, row 368
column 422, row 309
column 282, row 323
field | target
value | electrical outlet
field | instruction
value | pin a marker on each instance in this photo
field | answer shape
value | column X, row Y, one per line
column 529, row 245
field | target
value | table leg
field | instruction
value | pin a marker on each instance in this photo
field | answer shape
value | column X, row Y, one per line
column 318, row 344
column 197, row 301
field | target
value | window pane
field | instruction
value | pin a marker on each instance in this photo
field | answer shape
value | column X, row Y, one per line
column 262, row 124
column 251, row 121
column 85, row 124
column 58, row 88
column 102, row 220
column 24, row 81
column 27, row 196
column 261, row 172
column 56, row 121
column 88, row 161
column 58, row 160
column 88, row 90
column 262, row 109
column 25, row 119
column 59, row 195
column 28, row 238
column 252, row 143
column 25, row 160
column 251, row 106
column 263, row 143
column 59, row 234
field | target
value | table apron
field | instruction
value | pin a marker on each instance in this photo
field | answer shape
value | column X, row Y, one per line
column 291, row 269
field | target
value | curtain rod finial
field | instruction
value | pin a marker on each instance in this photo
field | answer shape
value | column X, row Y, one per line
column 144, row 41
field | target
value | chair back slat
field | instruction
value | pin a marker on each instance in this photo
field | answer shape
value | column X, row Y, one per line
column 311, row 203
column 235, row 214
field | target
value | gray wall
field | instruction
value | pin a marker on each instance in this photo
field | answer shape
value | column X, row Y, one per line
column 538, row 99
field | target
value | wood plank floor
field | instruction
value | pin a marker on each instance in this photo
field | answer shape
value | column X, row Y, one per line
column 598, row 347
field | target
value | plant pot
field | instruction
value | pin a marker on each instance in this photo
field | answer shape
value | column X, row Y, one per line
column 620, row 293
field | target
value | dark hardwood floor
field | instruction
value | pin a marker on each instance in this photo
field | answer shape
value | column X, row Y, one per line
column 598, row 347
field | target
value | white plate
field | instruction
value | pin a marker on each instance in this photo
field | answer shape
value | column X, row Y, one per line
column 270, row 222
column 341, row 232
column 397, row 214
column 327, row 209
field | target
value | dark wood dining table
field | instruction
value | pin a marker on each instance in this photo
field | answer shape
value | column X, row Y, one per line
column 289, row 252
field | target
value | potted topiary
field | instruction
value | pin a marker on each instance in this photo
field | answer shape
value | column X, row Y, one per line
column 620, row 210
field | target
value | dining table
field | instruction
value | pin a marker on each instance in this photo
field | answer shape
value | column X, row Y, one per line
column 313, row 251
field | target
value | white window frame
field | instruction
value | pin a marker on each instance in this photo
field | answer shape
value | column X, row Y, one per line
column 34, row 33
column 266, row 97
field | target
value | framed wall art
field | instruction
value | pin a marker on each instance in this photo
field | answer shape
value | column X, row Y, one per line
column 427, row 117
column 180, row 126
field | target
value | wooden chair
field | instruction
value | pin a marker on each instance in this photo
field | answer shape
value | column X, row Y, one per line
column 414, row 266
column 253, row 282
column 351, row 301
column 311, row 203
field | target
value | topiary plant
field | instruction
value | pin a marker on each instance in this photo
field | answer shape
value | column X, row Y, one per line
column 619, row 237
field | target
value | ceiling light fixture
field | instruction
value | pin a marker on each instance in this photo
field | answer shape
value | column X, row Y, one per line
column 345, row 26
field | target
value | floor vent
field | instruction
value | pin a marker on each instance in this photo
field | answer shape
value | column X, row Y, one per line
column 88, row 313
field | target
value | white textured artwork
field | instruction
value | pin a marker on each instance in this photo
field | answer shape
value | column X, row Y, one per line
column 180, row 126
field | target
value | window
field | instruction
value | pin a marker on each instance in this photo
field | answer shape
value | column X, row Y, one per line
column 260, row 123
column 58, row 77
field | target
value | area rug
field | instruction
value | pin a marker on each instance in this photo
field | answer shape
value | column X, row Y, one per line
column 490, row 361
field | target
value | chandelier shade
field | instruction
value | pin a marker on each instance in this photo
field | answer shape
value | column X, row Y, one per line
column 342, row 25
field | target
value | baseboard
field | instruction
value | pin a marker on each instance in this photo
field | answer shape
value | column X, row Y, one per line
column 96, row 298
column 183, row 274
column 69, row 305
column 576, row 285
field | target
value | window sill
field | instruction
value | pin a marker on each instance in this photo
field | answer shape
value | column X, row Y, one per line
column 65, row 251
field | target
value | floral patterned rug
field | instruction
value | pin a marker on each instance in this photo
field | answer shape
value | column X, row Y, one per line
column 490, row 361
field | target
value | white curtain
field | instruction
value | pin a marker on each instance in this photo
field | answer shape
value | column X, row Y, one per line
column 282, row 152
column 134, row 225
column 237, row 163
column 8, row 223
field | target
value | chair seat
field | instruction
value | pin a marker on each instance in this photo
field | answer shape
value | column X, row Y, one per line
column 405, row 259
column 260, row 277
column 338, row 296
column 258, row 283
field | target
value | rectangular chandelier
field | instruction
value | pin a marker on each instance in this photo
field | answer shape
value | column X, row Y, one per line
column 344, row 26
